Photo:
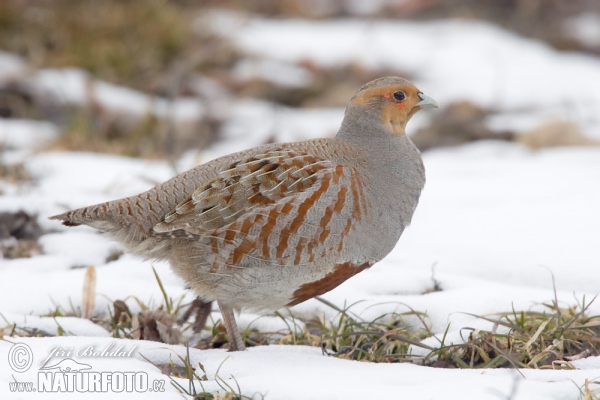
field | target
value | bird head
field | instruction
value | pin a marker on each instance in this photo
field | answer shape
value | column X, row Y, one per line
column 392, row 101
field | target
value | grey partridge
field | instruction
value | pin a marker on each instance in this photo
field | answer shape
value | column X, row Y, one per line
column 278, row 224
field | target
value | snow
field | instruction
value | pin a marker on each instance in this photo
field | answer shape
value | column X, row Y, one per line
column 504, row 205
column 303, row 372
column 71, row 325
column 253, row 122
column 495, row 222
column 585, row 28
column 456, row 59
column 17, row 133
column 491, row 215
column 281, row 74
column 75, row 87
column 10, row 66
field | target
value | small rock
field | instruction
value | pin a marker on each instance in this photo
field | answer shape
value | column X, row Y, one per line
column 555, row 134
column 20, row 249
column 19, row 225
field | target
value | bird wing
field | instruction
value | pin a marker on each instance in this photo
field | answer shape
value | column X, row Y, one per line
column 281, row 208
column 245, row 186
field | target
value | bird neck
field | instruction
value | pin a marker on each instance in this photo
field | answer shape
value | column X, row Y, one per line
column 365, row 130
column 391, row 170
column 377, row 148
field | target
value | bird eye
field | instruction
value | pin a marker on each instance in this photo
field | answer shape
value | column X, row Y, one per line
column 399, row 95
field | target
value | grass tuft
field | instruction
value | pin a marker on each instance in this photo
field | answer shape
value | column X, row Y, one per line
column 125, row 42
column 386, row 338
column 550, row 336
column 547, row 339
column 590, row 390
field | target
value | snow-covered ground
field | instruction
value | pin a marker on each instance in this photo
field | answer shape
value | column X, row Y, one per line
column 524, row 80
column 496, row 219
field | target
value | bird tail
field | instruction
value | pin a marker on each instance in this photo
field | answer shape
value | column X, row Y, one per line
column 92, row 215
column 66, row 218
column 115, row 219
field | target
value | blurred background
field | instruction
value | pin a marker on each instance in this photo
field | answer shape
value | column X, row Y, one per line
column 153, row 79
column 186, row 81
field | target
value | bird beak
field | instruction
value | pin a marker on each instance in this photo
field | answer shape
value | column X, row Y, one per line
column 426, row 102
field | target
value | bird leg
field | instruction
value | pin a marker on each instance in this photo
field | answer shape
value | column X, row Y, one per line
column 235, row 338
column 202, row 310
column 202, row 313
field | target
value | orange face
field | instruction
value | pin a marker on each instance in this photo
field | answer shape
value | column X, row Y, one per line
column 396, row 104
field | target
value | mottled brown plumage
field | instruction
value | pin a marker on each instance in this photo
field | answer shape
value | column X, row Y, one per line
column 278, row 224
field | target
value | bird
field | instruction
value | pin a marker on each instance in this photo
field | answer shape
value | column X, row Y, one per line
column 278, row 224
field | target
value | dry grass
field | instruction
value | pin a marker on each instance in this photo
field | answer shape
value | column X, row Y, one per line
column 15, row 173
column 386, row 338
column 159, row 47
column 195, row 376
column 556, row 133
column 125, row 42
column 548, row 339
column 152, row 46
column 590, row 390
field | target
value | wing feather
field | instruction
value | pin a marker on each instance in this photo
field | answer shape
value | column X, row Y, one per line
column 243, row 188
